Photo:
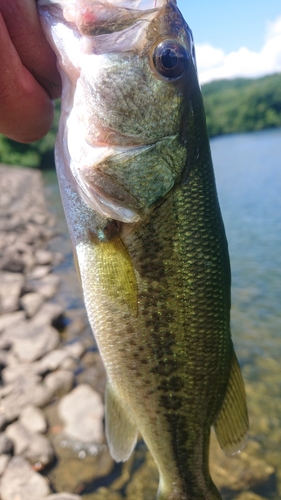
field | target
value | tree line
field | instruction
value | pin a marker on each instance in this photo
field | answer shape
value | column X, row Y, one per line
column 242, row 105
column 232, row 106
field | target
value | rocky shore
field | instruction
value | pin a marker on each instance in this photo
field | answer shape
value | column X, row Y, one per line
column 52, row 444
column 37, row 364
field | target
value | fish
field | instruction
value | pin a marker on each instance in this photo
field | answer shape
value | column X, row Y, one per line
column 138, row 188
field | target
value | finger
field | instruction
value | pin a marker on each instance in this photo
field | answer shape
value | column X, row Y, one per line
column 27, row 36
column 26, row 110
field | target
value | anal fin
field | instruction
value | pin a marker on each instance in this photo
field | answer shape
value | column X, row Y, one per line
column 121, row 431
column 231, row 424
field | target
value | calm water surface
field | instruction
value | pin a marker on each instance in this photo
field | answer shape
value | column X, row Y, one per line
column 248, row 174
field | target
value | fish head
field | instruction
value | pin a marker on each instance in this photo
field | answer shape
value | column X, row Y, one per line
column 131, row 71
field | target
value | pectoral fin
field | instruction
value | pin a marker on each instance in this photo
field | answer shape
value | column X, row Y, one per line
column 121, row 431
column 231, row 424
column 115, row 271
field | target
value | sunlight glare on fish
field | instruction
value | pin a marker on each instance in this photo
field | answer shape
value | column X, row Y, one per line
column 129, row 4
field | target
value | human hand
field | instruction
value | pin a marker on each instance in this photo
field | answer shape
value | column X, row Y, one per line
column 29, row 79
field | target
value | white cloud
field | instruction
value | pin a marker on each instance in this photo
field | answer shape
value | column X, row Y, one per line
column 214, row 63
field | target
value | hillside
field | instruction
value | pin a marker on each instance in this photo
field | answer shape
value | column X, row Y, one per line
column 239, row 105
column 242, row 105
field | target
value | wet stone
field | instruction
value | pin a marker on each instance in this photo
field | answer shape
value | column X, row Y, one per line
column 33, row 446
column 6, row 445
column 82, row 413
column 79, row 465
column 39, row 272
column 19, row 372
column 49, row 314
column 4, row 460
column 3, row 359
column 69, row 364
column 7, row 320
column 31, row 303
column 75, row 350
column 59, row 382
column 19, row 481
column 94, row 373
column 52, row 361
column 43, row 257
column 23, row 394
column 11, row 285
column 33, row 419
column 37, row 341
column 19, row 259
column 47, row 286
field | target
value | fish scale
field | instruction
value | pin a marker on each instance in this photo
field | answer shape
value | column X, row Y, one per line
column 139, row 194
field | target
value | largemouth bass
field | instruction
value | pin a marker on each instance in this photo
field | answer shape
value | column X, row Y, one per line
column 138, row 189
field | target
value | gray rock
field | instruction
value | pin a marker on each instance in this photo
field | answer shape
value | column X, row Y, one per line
column 19, row 372
column 31, row 303
column 43, row 257
column 20, row 482
column 59, row 382
column 4, row 343
column 33, row 446
column 52, row 361
column 48, row 314
column 5, row 391
column 75, row 350
column 58, row 258
column 82, row 412
column 63, row 496
column 69, row 364
column 18, row 258
column 39, row 272
column 37, row 341
column 47, row 286
column 33, row 419
column 11, row 285
column 6, row 445
column 4, row 460
column 25, row 392
column 6, row 320
column 3, row 359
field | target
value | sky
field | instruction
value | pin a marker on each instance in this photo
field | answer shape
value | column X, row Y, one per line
column 235, row 37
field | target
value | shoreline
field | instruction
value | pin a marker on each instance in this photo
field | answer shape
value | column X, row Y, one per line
column 52, row 377
column 41, row 347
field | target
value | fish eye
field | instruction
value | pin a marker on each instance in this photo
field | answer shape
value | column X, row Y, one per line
column 171, row 59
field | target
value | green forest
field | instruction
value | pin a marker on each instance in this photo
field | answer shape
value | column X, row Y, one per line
column 232, row 106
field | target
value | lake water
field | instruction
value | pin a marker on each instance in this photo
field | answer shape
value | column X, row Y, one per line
column 248, row 174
